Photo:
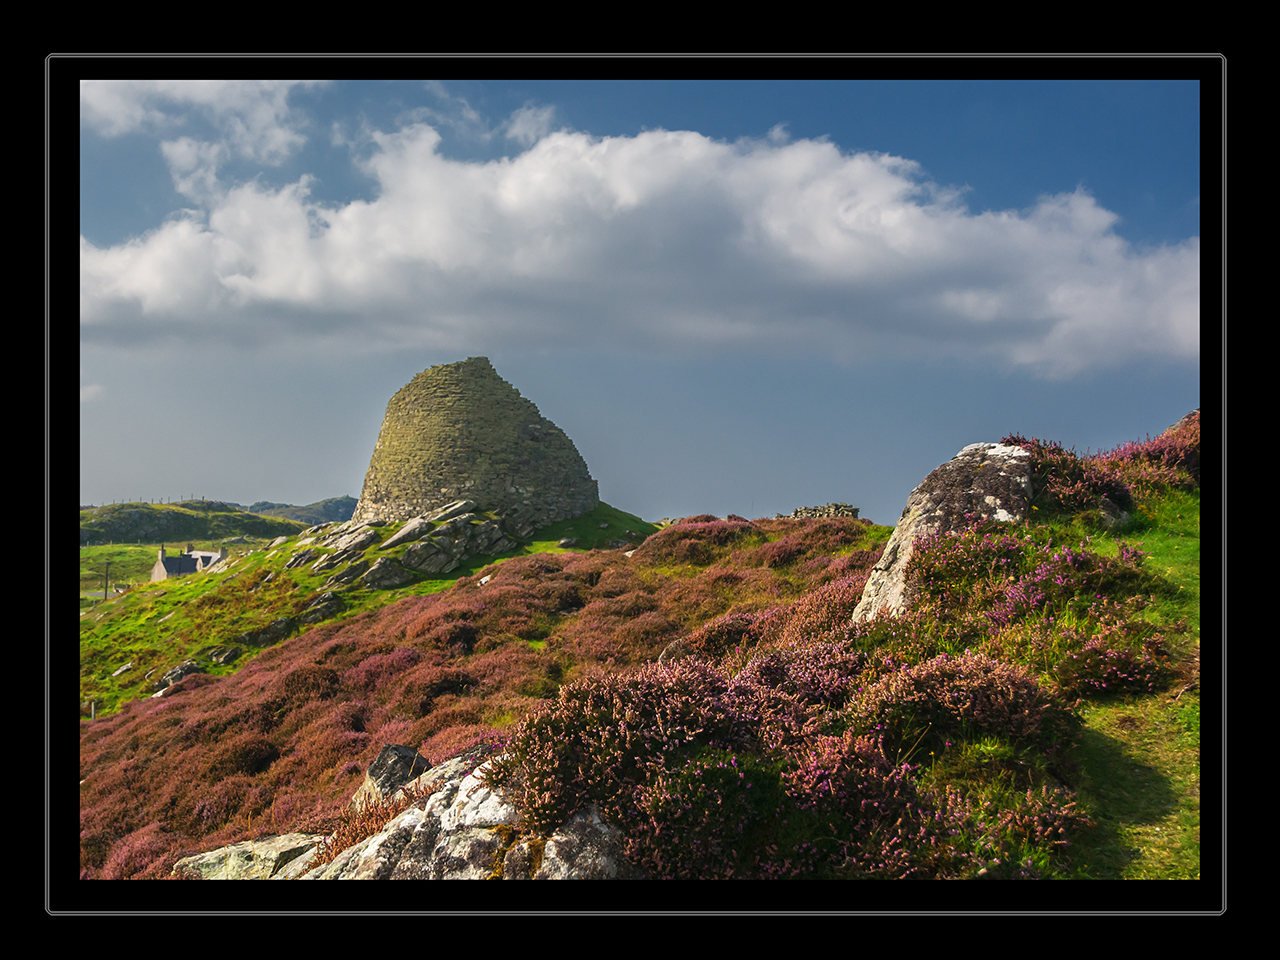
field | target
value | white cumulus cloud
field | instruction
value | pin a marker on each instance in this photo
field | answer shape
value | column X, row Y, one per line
column 667, row 239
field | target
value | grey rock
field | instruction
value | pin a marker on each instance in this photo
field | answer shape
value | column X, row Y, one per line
column 459, row 829
column 414, row 530
column 430, row 556
column 585, row 848
column 983, row 479
column 174, row 674
column 260, row 859
column 301, row 558
column 274, row 632
column 396, row 765
column 327, row 605
column 386, row 574
column 451, row 510
column 347, row 546
column 349, row 574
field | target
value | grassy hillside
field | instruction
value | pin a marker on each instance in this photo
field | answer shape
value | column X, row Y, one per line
column 1035, row 714
column 147, row 523
column 155, row 626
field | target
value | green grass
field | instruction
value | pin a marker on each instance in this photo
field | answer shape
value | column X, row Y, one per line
column 158, row 625
column 1139, row 757
column 1139, row 763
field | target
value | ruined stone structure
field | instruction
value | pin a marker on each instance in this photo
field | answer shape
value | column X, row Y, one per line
column 459, row 431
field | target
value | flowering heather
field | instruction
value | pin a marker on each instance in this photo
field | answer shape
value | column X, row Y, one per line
column 820, row 675
column 1169, row 460
column 1069, row 613
column 927, row 706
column 873, row 823
column 824, row 614
column 785, row 747
column 696, row 542
column 712, row 776
column 1065, row 483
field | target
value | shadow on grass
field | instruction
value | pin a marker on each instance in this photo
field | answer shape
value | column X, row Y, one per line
column 1118, row 790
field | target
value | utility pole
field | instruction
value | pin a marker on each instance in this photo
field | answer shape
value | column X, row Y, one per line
column 106, row 578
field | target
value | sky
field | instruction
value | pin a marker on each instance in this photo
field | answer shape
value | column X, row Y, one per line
column 736, row 296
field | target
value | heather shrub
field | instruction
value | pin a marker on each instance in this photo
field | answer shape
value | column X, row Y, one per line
column 1131, row 655
column 478, row 739
column 602, row 737
column 779, row 553
column 1019, row 838
column 697, row 542
column 945, row 567
column 824, row 613
column 372, row 673
column 220, row 801
column 135, row 854
column 712, row 777
column 309, row 682
column 247, row 753
column 1169, row 460
column 1065, row 483
column 428, row 683
column 819, row 675
column 724, row 634
column 923, row 708
column 707, row 819
column 873, row 823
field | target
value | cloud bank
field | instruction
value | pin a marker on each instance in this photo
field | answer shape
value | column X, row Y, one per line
column 666, row 241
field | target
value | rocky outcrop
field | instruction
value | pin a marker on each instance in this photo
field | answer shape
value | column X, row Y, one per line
column 459, row 430
column 272, row 633
column 984, row 480
column 262, row 859
column 175, row 674
column 461, row 831
column 396, row 765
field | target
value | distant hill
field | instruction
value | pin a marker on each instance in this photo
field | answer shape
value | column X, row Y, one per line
column 337, row 508
column 170, row 522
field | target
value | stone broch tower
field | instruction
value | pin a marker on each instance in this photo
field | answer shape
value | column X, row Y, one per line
column 459, row 431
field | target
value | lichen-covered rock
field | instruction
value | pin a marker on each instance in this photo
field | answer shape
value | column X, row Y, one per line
column 252, row 860
column 416, row 529
column 461, row 829
column 585, row 848
column 983, row 480
column 386, row 574
column 458, row 431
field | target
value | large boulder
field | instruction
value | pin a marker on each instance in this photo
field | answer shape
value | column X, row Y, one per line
column 982, row 480
column 458, row 829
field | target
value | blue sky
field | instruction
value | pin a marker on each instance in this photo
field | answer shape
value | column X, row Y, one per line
column 734, row 296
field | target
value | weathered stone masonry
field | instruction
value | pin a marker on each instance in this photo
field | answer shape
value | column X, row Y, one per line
column 459, row 431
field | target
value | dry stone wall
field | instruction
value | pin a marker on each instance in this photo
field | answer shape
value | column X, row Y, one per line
column 457, row 431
